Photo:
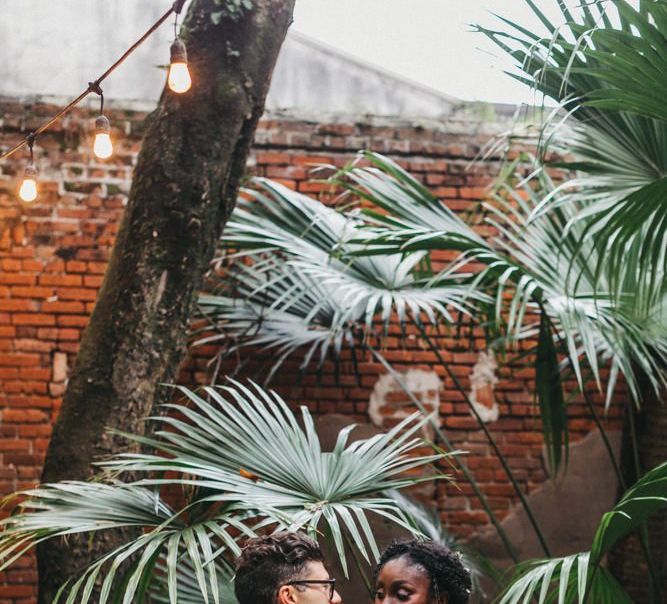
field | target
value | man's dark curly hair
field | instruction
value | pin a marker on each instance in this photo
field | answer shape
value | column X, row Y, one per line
column 449, row 581
column 268, row 562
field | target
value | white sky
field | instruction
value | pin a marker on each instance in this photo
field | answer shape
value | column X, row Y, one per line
column 426, row 40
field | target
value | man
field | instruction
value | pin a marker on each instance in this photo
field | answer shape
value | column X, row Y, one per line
column 284, row 568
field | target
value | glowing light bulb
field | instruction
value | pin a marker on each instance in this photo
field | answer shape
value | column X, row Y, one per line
column 28, row 190
column 102, row 146
column 179, row 79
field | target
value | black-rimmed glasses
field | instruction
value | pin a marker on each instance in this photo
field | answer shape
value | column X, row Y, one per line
column 306, row 582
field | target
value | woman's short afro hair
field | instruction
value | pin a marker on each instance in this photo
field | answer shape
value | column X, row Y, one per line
column 450, row 581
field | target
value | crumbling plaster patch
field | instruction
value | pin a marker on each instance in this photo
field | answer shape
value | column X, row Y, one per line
column 482, row 382
column 388, row 401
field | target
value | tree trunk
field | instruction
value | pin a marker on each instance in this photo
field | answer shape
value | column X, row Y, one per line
column 184, row 189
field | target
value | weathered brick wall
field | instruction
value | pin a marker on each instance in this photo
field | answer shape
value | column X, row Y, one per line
column 53, row 254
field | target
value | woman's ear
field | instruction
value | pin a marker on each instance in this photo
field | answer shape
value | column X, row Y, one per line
column 286, row 595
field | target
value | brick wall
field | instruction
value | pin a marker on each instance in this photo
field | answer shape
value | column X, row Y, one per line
column 53, row 254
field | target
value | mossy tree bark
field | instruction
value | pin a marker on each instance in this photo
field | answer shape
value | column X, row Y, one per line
column 185, row 185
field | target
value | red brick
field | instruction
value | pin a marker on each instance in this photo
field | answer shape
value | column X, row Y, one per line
column 273, row 158
column 64, row 280
column 32, row 292
column 9, row 264
column 33, row 319
column 19, row 360
column 27, row 416
column 35, row 373
column 63, row 307
column 13, row 304
column 72, row 320
column 71, row 293
column 17, row 279
column 74, row 266
column 69, row 334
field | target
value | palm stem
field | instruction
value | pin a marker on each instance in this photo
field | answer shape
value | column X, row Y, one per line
column 464, row 468
column 503, row 461
column 360, row 566
column 589, row 403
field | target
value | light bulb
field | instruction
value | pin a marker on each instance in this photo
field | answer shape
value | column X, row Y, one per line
column 28, row 190
column 102, row 146
column 179, row 79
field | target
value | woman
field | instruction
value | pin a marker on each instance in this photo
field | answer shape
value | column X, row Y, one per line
column 421, row 572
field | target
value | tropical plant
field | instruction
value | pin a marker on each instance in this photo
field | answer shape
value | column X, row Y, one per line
column 247, row 465
column 582, row 577
column 602, row 66
column 577, row 265
column 307, row 287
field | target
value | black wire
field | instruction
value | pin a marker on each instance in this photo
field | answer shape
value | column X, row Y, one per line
column 31, row 141
column 97, row 89
column 176, row 7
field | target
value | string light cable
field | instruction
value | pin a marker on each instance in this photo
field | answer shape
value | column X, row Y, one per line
column 102, row 125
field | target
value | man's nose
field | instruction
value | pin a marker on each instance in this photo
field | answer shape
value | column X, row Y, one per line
column 336, row 598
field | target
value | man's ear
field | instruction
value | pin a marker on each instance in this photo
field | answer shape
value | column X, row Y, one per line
column 287, row 595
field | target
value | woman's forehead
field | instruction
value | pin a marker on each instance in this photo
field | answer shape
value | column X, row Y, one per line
column 402, row 567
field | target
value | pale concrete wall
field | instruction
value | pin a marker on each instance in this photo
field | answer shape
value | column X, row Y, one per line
column 54, row 48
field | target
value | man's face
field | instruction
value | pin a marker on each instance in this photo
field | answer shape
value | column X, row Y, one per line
column 309, row 593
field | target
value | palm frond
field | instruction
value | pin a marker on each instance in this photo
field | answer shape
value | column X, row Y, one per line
column 581, row 577
column 187, row 584
column 408, row 217
column 601, row 65
column 250, row 432
column 250, row 466
column 563, row 580
column 67, row 508
column 305, row 287
column 647, row 496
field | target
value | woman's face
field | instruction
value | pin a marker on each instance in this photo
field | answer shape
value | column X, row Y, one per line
column 402, row 581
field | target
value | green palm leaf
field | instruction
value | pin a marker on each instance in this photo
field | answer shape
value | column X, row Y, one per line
column 187, row 586
column 58, row 510
column 563, row 581
column 602, row 65
column 242, row 430
column 250, row 466
column 581, row 577
column 305, row 286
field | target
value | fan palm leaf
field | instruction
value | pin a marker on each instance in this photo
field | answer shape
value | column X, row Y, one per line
column 249, row 466
column 68, row 508
column 539, row 264
column 303, row 286
column 245, row 432
column 602, row 65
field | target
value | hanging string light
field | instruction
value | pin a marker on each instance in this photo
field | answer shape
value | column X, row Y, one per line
column 179, row 79
column 102, row 147
column 102, row 126
column 28, row 190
